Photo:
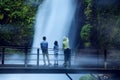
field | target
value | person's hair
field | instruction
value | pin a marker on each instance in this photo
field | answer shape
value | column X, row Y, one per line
column 64, row 38
column 44, row 38
column 56, row 43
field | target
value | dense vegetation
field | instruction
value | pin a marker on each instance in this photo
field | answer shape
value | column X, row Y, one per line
column 102, row 25
column 86, row 29
column 16, row 22
column 108, row 26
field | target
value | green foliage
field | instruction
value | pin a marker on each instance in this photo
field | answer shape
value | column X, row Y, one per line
column 17, row 12
column 105, row 22
column 108, row 28
column 88, row 1
column 88, row 9
column 20, row 16
column 87, row 44
column 86, row 29
column 87, row 77
column 85, row 32
column 1, row 16
column 118, row 20
column 88, row 12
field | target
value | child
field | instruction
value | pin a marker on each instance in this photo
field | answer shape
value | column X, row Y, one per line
column 56, row 49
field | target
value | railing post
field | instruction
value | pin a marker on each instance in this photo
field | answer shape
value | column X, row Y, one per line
column 98, row 51
column 3, row 55
column 105, row 58
column 38, row 56
column 26, row 51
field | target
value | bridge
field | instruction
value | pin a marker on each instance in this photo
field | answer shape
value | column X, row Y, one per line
column 82, row 61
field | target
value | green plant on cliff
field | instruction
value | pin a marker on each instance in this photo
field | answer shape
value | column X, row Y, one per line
column 85, row 34
column 86, row 29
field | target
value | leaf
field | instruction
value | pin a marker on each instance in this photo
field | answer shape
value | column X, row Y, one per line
column 6, row 9
column 1, row 16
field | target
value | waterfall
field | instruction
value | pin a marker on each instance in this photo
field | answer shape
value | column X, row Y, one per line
column 53, row 20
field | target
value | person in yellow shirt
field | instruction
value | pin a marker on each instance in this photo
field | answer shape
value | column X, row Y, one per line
column 67, row 53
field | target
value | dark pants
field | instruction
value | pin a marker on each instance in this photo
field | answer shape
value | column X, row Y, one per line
column 67, row 57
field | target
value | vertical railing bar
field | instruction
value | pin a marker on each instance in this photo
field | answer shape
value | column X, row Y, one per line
column 3, row 55
column 98, row 57
column 105, row 58
column 26, row 51
column 38, row 57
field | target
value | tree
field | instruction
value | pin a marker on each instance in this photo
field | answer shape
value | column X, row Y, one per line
column 19, row 17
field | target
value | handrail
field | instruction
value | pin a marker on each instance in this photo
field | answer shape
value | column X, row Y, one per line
column 27, row 52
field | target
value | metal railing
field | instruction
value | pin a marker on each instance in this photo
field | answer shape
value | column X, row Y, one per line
column 78, row 57
column 26, row 52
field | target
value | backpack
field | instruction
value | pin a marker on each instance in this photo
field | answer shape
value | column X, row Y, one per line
column 44, row 45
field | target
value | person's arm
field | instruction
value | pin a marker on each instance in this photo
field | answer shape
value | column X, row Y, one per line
column 53, row 47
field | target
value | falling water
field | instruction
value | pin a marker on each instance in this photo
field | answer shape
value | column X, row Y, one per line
column 53, row 20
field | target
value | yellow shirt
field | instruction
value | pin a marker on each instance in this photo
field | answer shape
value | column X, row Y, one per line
column 65, row 43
